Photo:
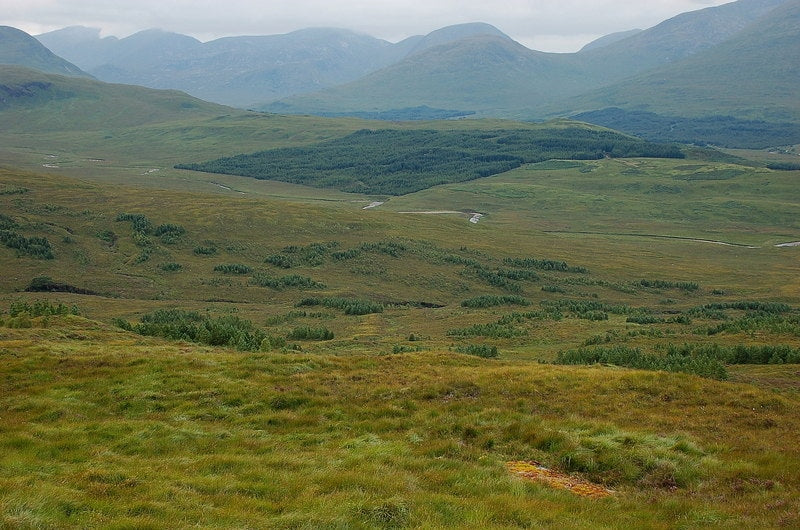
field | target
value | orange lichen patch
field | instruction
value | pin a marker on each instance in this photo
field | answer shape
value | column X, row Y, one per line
column 556, row 479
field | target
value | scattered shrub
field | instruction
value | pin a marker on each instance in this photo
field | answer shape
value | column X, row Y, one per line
column 171, row 267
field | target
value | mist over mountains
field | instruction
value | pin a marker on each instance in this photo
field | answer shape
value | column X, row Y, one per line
column 738, row 60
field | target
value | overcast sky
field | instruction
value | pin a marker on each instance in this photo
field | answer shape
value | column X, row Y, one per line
column 546, row 25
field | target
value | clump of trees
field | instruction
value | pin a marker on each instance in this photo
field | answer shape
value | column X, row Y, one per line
column 480, row 350
column 350, row 306
column 494, row 300
column 673, row 361
column 179, row 324
column 310, row 333
column 35, row 247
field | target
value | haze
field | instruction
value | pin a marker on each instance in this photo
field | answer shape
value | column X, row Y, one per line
column 555, row 26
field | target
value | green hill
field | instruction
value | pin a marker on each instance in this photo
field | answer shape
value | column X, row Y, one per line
column 19, row 48
column 488, row 75
column 215, row 350
column 752, row 76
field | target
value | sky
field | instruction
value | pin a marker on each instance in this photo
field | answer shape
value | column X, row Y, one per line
column 544, row 25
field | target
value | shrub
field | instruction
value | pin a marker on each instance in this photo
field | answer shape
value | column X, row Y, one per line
column 179, row 324
column 35, row 247
column 139, row 222
column 171, row 267
column 45, row 284
column 41, row 308
column 205, row 250
column 492, row 300
column 350, row 306
column 309, row 333
column 233, row 268
column 480, row 350
column 293, row 280
column 673, row 361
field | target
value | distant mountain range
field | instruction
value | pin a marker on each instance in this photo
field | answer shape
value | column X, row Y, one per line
column 739, row 61
column 242, row 71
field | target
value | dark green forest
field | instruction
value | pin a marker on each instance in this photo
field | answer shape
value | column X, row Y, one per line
column 397, row 162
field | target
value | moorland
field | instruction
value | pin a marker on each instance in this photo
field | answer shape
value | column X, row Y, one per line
column 379, row 328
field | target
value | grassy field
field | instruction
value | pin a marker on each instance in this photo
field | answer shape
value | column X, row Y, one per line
column 350, row 390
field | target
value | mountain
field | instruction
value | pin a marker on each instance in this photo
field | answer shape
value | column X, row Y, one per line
column 80, row 44
column 455, row 33
column 244, row 71
column 610, row 39
column 752, row 76
column 19, row 48
column 240, row 71
column 486, row 74
column 493, row 75
column 676, row 38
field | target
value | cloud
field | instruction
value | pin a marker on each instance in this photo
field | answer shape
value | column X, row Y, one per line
column 552, row 25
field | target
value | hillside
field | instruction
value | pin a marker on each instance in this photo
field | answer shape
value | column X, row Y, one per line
column 494, row 76
column 616, row 338
column 241, row 71
column 488, row 75
column 19, row 48
column 727, row 80
column 57, row 103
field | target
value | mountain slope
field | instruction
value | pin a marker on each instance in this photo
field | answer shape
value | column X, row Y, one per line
column 238, row 71
column 677, row 38
column 751, row 76
column 84, row 104
column 487, row 74
column 493, row 75
column 19, row 48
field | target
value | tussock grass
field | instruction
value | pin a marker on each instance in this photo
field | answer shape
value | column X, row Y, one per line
column 120, row 431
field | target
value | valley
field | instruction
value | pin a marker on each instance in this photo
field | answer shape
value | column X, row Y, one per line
column 219, row 317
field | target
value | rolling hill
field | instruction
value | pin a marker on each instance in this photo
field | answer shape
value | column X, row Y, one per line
column 751, row 77
column 19, row 48
column 242, row 71
column 498, row 77
column 616, row 338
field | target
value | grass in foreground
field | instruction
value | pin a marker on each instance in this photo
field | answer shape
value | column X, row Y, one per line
column 104, row 428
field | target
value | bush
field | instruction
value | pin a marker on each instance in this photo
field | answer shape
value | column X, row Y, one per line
column 205, row 250
column 309, row 333
column 171, row 267
column 674, row 361
column 35, row 247
column 179, row 324
column 45, row 284
column 350, row 306
column 662, row 284
column 41, row 308
column 233, row 268
column 492, row 300
column 480, row 350
column 293, row 280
